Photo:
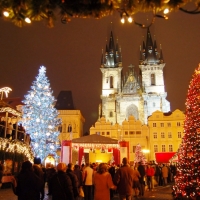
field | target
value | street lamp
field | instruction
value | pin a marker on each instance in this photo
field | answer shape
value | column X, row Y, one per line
column 146, row 151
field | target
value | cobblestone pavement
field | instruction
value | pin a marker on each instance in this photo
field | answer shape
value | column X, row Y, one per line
column 158, row 193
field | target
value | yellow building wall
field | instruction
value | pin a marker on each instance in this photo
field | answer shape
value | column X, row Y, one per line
column 71, row 118
column 165, row 130
column 132, row 131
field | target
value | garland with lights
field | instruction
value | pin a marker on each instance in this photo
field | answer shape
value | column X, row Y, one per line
column 15, row 150
column 20, row 11
column 187, row 179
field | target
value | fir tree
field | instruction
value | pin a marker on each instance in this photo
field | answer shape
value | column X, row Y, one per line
column 139, row 156
column 40, row 117
column 187, row 180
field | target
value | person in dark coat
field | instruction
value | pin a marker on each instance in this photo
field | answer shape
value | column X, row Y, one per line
column 142, row 172
column 61, row 185
column 74, row 179
column 123, row 179
column 28, row 183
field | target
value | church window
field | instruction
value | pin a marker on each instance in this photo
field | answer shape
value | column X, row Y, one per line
column 106, row 80
column 154, row 104
column 111, row 114
column 111, row 81
column 108, row 133
column 64, row 128
column 103, row 133
column 163, row 148
column 126, row 133
column 179, row 134
column 170, row 148
column 69, row 129
column 169, row 134
column 154, row 124
column 162, row 135
column 138, row 132
column 155, row 135
column 169, row 124
column 152, row 79
column 178, row 124
column 155, row 148
column 162, row 124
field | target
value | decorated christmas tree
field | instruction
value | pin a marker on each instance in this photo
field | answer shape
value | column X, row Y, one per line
column 139, row 156
column 40, row 117
column 187, row 180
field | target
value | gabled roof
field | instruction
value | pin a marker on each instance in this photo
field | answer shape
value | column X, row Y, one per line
column 98, row 139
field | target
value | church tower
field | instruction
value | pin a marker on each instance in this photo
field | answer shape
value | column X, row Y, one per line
column 111, row 67
column 151, row 65
column 132, row 94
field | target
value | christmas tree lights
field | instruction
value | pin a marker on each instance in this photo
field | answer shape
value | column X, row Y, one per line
column 187, row 179
column 40, row 117
column 139, row 156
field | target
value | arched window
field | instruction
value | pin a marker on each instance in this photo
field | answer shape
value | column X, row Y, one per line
column 64, row 128
column 111, row 81
column 152, row 79
column 69, row 129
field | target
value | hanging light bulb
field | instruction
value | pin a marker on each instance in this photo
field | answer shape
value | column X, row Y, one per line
column 122, row 20
column 130, row 19
column 166, row 11
column 6, row 13
column 27, row 20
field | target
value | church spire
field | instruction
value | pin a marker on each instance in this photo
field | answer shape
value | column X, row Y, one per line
column 112, row 57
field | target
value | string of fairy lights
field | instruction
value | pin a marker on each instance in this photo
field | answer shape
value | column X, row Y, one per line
column 21, row 12
column 16, row 147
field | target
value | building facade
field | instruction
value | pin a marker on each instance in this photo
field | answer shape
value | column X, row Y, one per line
column 133, row 94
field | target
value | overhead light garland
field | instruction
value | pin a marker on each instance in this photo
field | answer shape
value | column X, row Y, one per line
column 21, row 12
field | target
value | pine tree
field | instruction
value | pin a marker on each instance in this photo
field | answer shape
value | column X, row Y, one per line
column 40, row 117
column 139, row 156
column 187, row 180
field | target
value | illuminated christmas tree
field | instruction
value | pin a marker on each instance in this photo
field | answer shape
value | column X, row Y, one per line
column 187, row 180
column 139, row 156
column 40, row 117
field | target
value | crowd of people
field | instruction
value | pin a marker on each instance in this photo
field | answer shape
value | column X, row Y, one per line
column 90, row 181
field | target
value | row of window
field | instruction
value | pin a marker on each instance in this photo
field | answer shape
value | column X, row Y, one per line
column 162, row 135
column 163, row 148
column 168, row 124
column 125, row 133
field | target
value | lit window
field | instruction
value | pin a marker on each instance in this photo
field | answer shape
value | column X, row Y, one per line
column 170, row 148
column 126, row 133
column 162, row 135
column 154, row 124
column 169, row 124
column 155, row 148
column 162, row 124
column 169, row 135
column 155, row 135
column 163, row 148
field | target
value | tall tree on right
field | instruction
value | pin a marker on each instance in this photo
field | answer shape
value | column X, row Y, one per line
column 187, row 180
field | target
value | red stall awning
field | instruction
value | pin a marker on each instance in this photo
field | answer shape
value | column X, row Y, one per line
column 164, row 157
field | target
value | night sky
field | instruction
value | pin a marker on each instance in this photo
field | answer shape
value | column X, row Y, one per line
column 72, row 55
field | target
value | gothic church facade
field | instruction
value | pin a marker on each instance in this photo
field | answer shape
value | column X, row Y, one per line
column 133, row 94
